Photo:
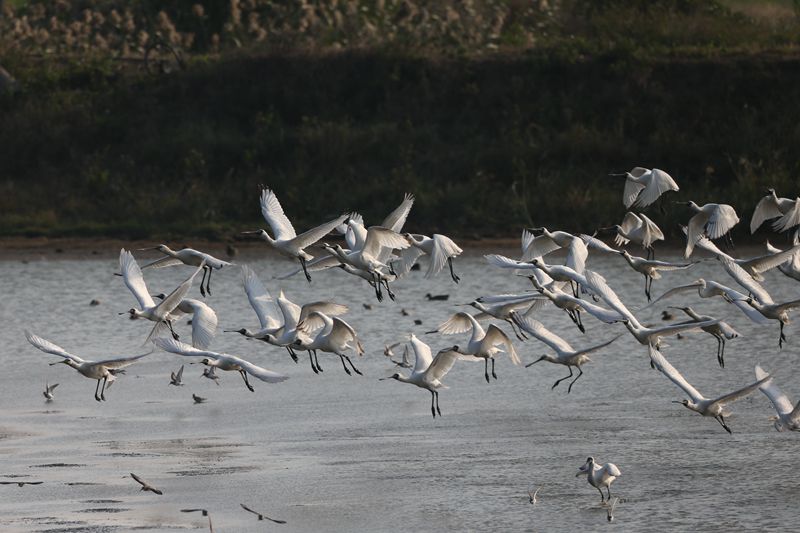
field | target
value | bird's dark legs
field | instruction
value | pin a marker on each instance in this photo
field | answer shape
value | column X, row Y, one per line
column 574, row 287
column 316, row 360
column 452, row 273
column 720, row 350
column 493, row 374
column 208, row 280
column 96, row 390
column 518, row 332
column 202, row 289
column 486, row 369
column 562, row 379
column 244, row 377
column 305, row 271
column 729, row 241
column 651, row 253
column 782, row 338
column 357, row 371
column 378, row 293
column 579, row 321
column 388, row 290
column 721, row 420
column 602, row 496
column 571, row 383
column 344, row 365
column 437, row 403
column 311, row 359
column 648, row 282
column 433, row 401
column 174, row 335
column 575, row 320
column 608, row 488
column 291, row 353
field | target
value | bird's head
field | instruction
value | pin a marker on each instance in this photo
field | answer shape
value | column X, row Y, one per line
column 260, row 233
column 132, row 312
column 542, row 358
column 771, row 191
column 241, row 331
column 396, row 376
column 535, row 262
column 684, row 403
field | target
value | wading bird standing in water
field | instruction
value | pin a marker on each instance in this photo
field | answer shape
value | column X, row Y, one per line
column 599, row 476
column 286, row 241
column 104, row 371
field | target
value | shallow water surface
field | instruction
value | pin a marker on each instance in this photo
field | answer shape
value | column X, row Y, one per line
column 332, row 452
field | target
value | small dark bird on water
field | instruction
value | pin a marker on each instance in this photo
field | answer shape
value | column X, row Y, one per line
column 403, row 312
column 21, row 483
column 437, row 297
column 198, row 399
column 417, row 322
column 94, row 302
column 261, row 516
column 368, row 307
column 146, row 486
column 666, row 315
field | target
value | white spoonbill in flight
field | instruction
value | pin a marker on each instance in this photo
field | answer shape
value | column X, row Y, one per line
column 697, row 402
column 721, row 331
column 647, row 336
column 285, row 240
column 755, row 266
column 160, row 314
column 269, row 314
column 428, row 371
column 334, row 337
column 441, row 250
column 788, row 415
column 791, row 267
column 710, row 220
column 104, row 370
column 643, row 186
column 650, row 269
column 771, row 206
column 191, row 257
column 221, row 361
column 483, row 344
column 599, row 476
column 639, row 229
column 565, row 354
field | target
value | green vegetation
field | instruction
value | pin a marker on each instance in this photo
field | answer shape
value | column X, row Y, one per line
column 491, row 118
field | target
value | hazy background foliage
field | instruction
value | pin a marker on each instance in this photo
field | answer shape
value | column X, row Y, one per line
column 149, row 118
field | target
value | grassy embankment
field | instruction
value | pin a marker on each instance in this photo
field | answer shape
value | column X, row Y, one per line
column 489, row 142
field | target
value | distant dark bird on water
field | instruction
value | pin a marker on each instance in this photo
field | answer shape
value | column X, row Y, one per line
column 21, row 483
column 261, row 516
column 437, row 297
column 204, row 512
column 145, row 486
column 198, row 399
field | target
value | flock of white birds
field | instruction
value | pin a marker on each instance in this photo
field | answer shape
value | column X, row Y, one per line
column 381, row 254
